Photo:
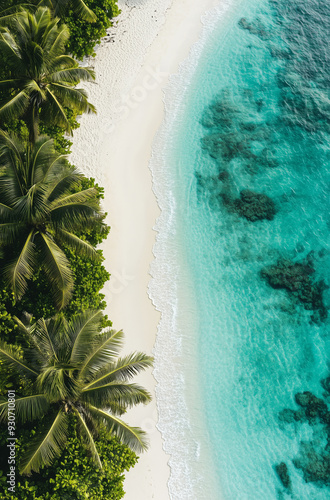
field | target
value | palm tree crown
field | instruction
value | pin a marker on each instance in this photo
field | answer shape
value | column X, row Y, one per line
column 74, row 369
column 42, row 78
column 39, row 212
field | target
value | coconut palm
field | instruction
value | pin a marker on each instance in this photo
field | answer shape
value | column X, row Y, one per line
column 39, row 212
column 43, row 79
column 74, row 370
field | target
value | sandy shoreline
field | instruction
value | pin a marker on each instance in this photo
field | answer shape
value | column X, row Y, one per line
column 150, row 41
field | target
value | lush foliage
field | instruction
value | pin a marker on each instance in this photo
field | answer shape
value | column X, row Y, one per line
column 85, row 35
column 39, row 211
column 73, row 475
column 66, row 374
column 42, row 79
column 89, row 279
column 73, row 369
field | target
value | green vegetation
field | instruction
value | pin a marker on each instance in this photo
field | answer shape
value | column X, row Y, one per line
column 71, row 386
column 85, row 35
column 72, row 475
column 73, row 369
column 42, row 78
column 40, row 211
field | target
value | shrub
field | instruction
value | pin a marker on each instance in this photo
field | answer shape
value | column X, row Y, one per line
column 72, row 476
column 84, row 35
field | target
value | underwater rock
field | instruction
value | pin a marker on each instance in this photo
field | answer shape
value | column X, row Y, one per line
column 296, row 278
column 254, row 206
column 315, row 464
column 300, row 248
column 224, row 176
column 314, row 407
column 221, row 113
column 314, row 457
column 283, row 473
column 291, row 416
column 238, row 132
column 226, row 146
column 260, row 104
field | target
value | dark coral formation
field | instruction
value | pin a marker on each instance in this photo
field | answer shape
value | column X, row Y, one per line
column 254, row 206
column 313, row 407
column 314, row 457
column 250, row 205
column 314, row 464
column 303, row 112
column 297, row 279
column 233, row 132
column 283, row 474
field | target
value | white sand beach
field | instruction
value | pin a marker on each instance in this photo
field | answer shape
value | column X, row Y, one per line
column 149, row 41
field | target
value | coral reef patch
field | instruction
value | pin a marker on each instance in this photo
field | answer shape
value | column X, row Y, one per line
column 296, row 278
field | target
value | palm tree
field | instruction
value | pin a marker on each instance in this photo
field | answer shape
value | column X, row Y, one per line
column 42, row 79
column 74, row 370
column 41, row 207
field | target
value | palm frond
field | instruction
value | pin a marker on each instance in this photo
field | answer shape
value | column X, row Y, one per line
column 57, row 382
column 83, row 329
column 11, row 357
column 42, row 158
column 133, row 437
column 64, row 180
column 55, row 45
column 43, row 341
column 9, row 48
column 5, row 210
column 123, row 369
column 107, row 347
column 21, row 268
column 58, row 271
column 82, row 247
column 58, row 331
column 16, row 106
column 88, row 438
column 71, row 75
column 77, row 6
column 81, row 8
column 11, row 157
column 54, row 112
column 46, row 446
column 12, row 83
column 72, row 97
column 10, row 232
column 27, row 408
column 86, row 196
column 125, row 395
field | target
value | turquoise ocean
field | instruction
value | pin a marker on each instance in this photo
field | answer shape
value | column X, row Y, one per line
column 241, row 170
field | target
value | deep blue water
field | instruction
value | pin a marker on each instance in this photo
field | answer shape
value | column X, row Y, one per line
column 256, row 117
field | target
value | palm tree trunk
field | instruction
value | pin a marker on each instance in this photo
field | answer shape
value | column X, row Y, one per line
column 32, row 121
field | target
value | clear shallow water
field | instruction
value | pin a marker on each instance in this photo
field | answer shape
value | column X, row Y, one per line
column 254, row 116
